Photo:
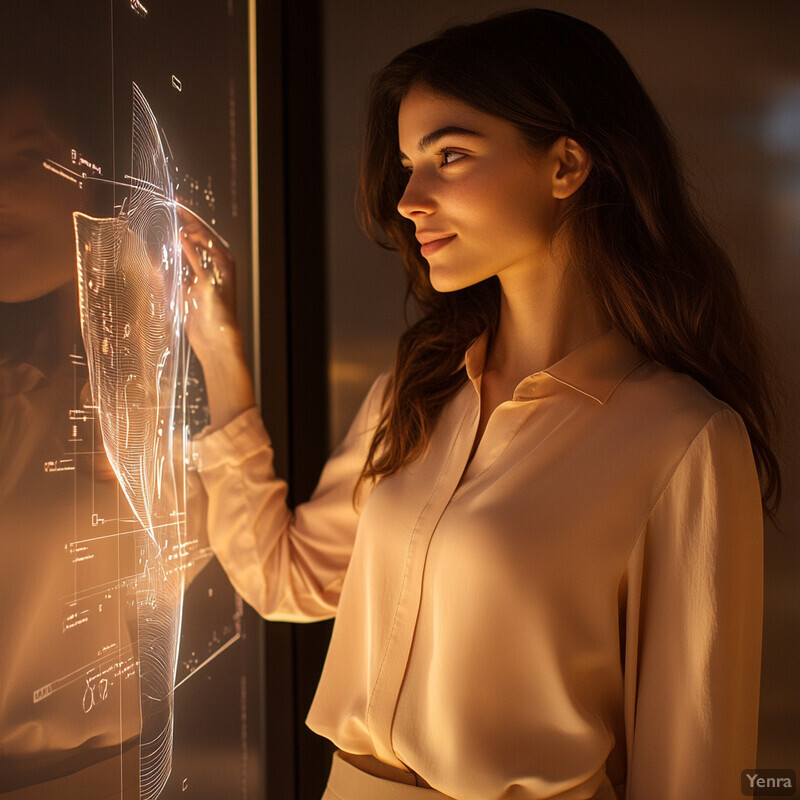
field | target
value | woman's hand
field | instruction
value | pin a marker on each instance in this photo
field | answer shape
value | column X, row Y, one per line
column 210, row 320
column 209, row 289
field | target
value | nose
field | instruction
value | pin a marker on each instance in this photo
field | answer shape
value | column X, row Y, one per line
column 417, row 199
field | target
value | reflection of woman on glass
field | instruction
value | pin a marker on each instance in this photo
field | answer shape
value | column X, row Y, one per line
column 44, row 736
column 548, row 580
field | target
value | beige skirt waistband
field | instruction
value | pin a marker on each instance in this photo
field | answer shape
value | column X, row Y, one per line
column 366, row 778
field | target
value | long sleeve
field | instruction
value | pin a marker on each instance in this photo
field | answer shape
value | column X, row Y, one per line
column 693, row 628
column 288, row 566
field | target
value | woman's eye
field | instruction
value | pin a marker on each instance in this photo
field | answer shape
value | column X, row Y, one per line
column 450, row 157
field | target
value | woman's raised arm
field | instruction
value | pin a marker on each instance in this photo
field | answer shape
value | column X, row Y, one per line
column 211, row 326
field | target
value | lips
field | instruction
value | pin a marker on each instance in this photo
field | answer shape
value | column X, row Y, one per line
column 433, row 241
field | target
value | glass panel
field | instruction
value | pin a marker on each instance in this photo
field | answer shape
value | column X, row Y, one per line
column 124, row 667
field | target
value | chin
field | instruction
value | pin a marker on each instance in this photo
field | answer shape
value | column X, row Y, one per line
column 447, row 285
column 446, row 288
column 444, row 282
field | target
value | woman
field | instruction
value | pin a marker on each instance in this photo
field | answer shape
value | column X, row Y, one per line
column 547, row 581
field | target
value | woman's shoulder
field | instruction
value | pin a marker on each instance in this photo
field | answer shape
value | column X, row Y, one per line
column 368, row 412
column 662, row 387
column 374, row 401
column 674, row 408
column 672, row 432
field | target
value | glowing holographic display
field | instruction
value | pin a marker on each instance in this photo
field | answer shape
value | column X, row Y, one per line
column 129, row 281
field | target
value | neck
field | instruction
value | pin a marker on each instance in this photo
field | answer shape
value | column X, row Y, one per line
column 543, row 317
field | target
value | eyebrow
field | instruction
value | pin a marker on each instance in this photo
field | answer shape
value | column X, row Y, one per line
column 430, row 139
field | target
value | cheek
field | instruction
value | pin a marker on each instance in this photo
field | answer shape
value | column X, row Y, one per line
column 512, row 212
column 483, row 208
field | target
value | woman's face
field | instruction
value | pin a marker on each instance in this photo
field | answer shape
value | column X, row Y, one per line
column 481, row 199
column 37, row 243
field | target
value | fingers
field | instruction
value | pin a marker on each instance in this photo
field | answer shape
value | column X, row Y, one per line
column 196, row 226
column 206, row 252
column 207, row 257
column 191, row 253
column 209, row 295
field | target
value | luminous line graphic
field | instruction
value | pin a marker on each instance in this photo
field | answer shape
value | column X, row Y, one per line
column 129, row 281
column 224, row 647
column 76, row 177
column 123, row 655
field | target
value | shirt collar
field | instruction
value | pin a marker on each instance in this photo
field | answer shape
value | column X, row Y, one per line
column 595, row 369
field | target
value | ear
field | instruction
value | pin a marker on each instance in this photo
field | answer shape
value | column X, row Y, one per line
column 571, row 168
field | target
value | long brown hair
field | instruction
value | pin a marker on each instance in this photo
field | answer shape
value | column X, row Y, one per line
column 632, row 231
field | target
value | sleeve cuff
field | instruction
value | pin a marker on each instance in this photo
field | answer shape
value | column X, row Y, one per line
column 234, row 443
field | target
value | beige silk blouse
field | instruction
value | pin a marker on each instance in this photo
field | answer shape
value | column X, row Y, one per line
column 574, row 613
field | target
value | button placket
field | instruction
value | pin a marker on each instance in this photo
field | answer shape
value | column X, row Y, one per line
column 383, row 700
